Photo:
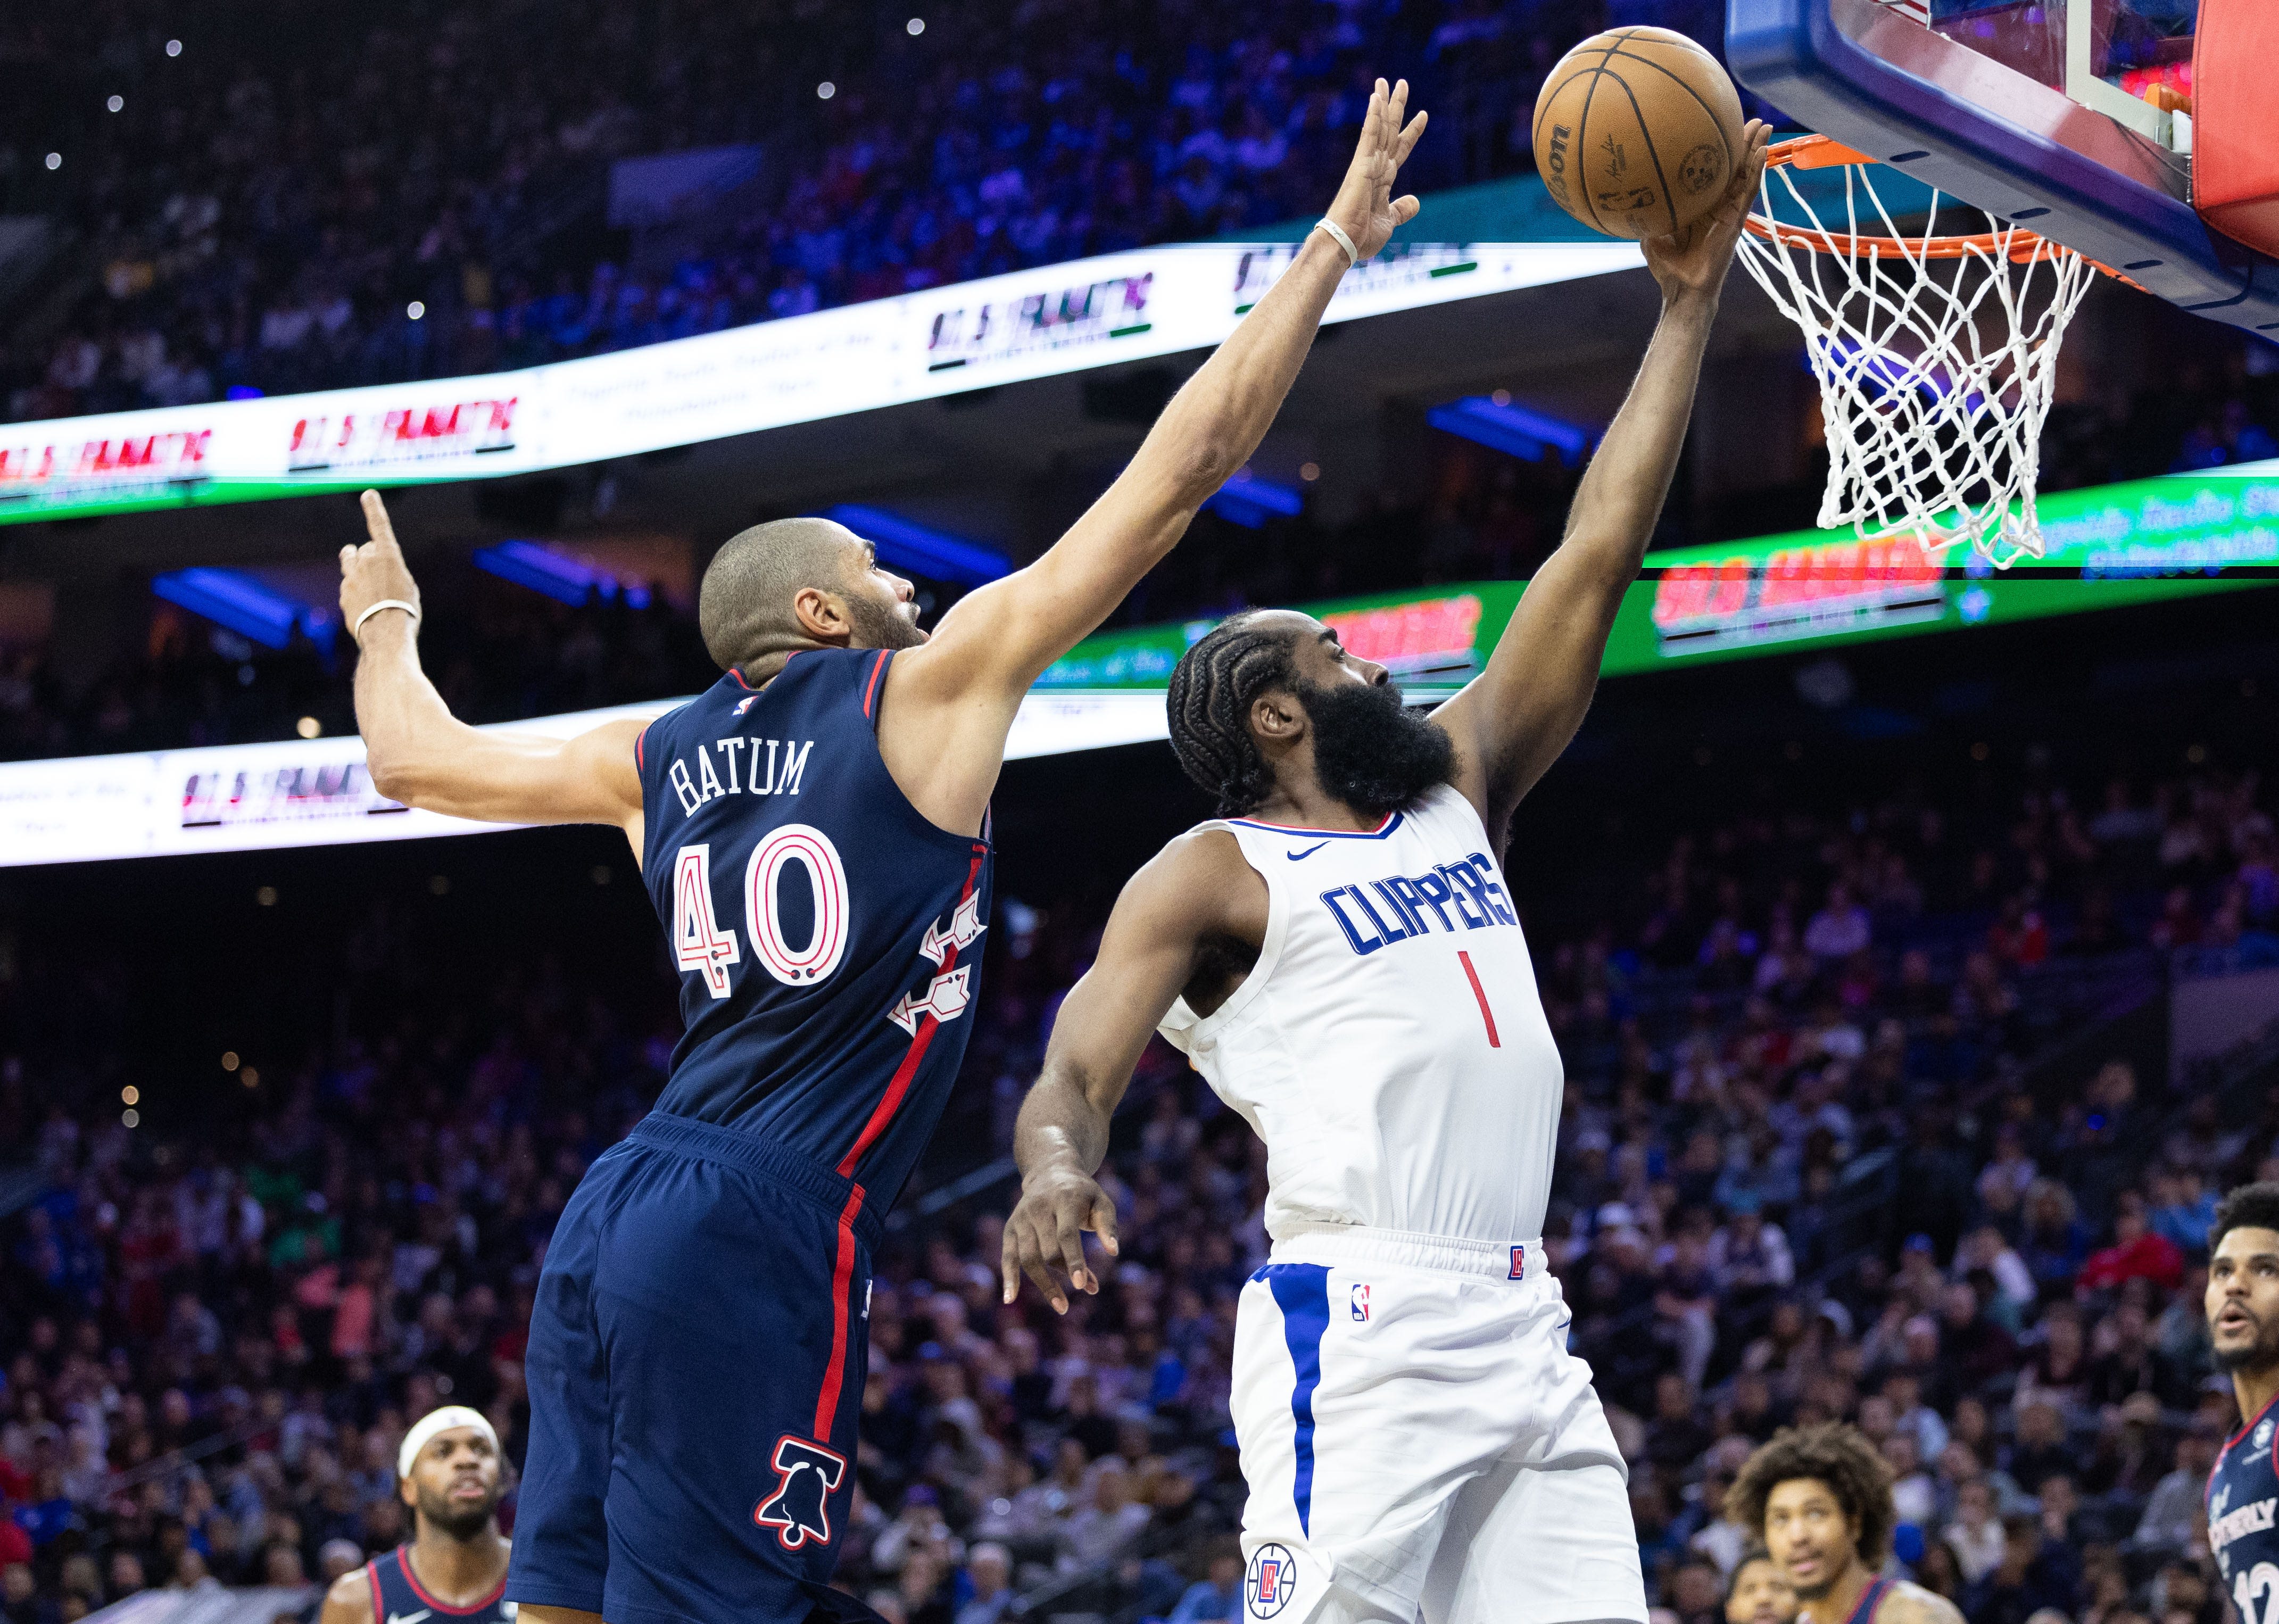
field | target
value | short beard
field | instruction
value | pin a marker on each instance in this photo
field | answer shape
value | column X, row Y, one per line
column 453, row 1524
column 2256, row 1357
column 1811, row 1593
column 1370, row 751
column 875, row 627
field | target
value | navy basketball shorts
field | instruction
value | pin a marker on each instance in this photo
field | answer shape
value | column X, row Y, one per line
column 695, row 1373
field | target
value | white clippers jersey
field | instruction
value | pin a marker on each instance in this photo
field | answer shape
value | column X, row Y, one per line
column 1390, row 1045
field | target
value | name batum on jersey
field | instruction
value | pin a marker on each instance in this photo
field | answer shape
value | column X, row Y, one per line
column 1454, row 896
column 773, row 767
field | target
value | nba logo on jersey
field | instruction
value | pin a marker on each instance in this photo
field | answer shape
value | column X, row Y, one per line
column 745, row 704
column 1361, row 1302
column 1272, row 1579
column 1518, row 1263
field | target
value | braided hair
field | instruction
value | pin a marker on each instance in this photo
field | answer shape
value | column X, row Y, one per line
column 1213, row 687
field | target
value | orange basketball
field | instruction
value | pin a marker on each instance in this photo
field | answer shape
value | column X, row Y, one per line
column 1637, row 131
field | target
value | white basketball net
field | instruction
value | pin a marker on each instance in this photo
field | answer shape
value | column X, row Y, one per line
column 1935, row 358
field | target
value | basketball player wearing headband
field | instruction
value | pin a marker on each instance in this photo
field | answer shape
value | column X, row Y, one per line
column 1337, row 954
column 455, row 1567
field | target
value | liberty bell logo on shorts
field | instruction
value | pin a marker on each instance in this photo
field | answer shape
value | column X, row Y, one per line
column 1270, row 1583
column 800, row 1509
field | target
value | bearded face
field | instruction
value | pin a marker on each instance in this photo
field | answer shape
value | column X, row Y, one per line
column 1370, row 751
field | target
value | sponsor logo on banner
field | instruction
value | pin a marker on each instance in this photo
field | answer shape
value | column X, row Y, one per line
column 38, row 466
column 1406, row 266
column 1797, row 592
column 1431, row 634
column 381, row 436
column 292, row 792
column 1054, row 317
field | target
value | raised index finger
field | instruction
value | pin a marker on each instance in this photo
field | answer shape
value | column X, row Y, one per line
column 376, row 522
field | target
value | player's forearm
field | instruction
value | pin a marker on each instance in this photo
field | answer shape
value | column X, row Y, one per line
column 409, row 734
column 1216, row 422
column 1622, row 495
column 1062, row 1126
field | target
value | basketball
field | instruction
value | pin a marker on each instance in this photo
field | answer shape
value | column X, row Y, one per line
column 1637, row 131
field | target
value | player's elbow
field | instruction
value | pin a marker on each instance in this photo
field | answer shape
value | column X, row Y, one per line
column 392, row 777
column 1207, row 459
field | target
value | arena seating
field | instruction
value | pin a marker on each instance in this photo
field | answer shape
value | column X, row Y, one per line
column 1859, row 1123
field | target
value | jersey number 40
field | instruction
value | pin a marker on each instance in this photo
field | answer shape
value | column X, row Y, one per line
column 702, row 944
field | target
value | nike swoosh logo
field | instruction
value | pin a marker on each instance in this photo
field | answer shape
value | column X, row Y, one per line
column 1309, row 852
column 408, row 1618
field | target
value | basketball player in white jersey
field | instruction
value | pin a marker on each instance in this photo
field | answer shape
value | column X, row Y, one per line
column 1338, row 956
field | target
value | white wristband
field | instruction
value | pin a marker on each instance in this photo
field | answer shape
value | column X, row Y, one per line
column 412, row 610
column 1338, row 234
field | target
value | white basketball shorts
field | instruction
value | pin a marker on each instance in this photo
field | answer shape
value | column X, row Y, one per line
column 1419, row 1444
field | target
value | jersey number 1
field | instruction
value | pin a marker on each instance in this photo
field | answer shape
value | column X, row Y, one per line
column 701, row 944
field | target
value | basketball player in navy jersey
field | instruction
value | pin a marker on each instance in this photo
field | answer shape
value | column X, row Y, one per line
column 455, row 1567
column 2243, row 1313
column 814, row 833
column 1820, row 1499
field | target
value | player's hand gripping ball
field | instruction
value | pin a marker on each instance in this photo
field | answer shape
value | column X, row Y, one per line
column 1638, row 132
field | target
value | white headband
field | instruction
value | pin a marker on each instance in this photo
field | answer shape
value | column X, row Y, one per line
column 440, row 1420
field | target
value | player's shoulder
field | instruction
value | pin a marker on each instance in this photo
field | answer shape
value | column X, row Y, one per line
column 349, row 1599
column 1909, row 1603
column 1192, row 880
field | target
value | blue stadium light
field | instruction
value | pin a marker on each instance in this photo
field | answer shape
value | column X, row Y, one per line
column 907, row 545
column 539, row 567
column 1513, row 430
column 244, row 605
column 1249, row 500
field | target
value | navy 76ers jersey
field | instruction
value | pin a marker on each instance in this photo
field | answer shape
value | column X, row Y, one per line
column 828, row 936
column 2243, row 1491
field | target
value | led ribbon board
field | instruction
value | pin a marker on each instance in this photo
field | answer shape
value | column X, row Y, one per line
column 2118, row 545
column 969, row 335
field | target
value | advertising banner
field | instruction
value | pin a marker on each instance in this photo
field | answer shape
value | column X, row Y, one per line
column 969, row 335
column 2117, row 545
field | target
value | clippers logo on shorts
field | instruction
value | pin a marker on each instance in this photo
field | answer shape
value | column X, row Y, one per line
column 800, row 1509
column 1361, row 1302
column 1518, row 1263
column 1455, row 896
column 1272, row 1582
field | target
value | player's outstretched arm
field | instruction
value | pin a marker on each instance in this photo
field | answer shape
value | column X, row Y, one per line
column 1511, row 723
column 1002, row 638
column 1189, row 894
column 419, row 753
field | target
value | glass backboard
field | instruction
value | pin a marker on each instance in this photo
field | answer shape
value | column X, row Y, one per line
column 2072, row 117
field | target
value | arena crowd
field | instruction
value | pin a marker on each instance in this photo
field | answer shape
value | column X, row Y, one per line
column 1834, row 1146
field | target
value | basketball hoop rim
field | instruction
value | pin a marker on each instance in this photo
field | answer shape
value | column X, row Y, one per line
column 2019, row 245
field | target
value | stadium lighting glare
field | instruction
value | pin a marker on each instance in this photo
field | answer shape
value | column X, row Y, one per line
column 540, row 568
column 1492, row 421
column 905, row 544
column 415, row 310
column 1309, row 472
column 915, row 26
column 308, row 727
column 1249, row 501
column 173, row 48
column 826, row 90
column 55, row 160
column 236, row 600
column 116, row 103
